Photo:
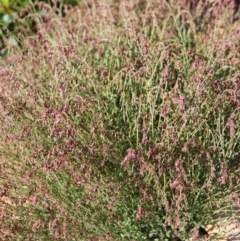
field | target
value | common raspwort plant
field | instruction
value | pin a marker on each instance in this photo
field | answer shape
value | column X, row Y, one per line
column 119, row 121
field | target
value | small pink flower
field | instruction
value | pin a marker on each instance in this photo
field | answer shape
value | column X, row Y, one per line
column 21, row 201
column 131, row 155
column 2, row 214
column 235, row 196
column 175, row 183
column 161, row 170
column 164, row 111
column 53, row 223
column 165, row 72
column 36, row 226
column 232, row 127
column 195, row 234
column 34, row 199
column 28, row 178
column 181, row 102
column 185, row 147
column 140, row 213
column 177, row 221
column 56, row 234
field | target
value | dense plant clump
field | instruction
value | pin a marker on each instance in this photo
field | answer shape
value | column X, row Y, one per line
column 119, row 121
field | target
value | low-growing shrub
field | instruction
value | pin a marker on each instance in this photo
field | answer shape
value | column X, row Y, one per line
column 119, row 123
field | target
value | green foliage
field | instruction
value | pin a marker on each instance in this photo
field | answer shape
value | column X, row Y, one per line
column 115, row 126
